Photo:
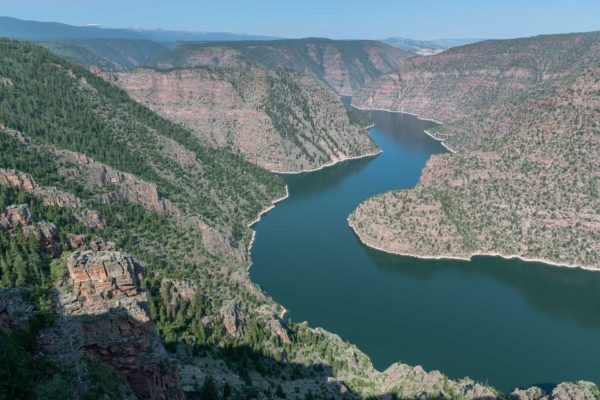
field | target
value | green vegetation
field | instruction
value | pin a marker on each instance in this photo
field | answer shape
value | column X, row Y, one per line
column 523, row 117
column 68, row 107
column 277, row 119
column 108, row 54
column 316, row 57
column 60, row 106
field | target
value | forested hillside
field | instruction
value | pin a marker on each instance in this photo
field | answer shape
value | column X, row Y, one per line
column 124, row 255
column 523, row 116
column 108, row 54
column 345, row 66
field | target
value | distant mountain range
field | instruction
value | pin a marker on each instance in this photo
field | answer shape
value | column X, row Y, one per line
column 427, row 47
column 15, row 28
column 344, row 66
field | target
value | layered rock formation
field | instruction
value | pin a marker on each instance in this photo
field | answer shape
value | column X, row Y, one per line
column 522, row 115
column 344, row 66
column 19, row 216
column 105, row 312
column 279, row 120
column 100, row 314
column 51, row 196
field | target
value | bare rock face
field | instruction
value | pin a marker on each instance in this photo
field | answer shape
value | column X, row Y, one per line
column 112, row 325
column 418, row 383
column 13, row 216
column 277, row 328
column 101, row 279
column 51, row 196
column 81, row 242
column 344, row 67
column 129, row 187
column 46, row 233
column 20, row 216
column 5, row 82
column 216, row 242
column 280, row 120
column 230, row 312
column 580, row 390
column 18, row 136
column 17, row 180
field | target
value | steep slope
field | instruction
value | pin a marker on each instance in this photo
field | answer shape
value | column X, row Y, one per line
column 523, row 116
column 343, row 65
column 279, row 120
column 108, row 54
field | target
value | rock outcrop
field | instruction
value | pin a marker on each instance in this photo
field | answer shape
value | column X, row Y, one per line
column 106, row 311
column 20, row 216
column 14, row 216
column 581, row 390
column 128, row 187
column 230, row 313
column 52, row 197
column 421, row 384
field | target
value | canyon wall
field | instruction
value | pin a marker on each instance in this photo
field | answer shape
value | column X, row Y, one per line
column 523, row 117
column 278, row 120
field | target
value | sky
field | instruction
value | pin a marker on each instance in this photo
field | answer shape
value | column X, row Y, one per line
column 336, row 19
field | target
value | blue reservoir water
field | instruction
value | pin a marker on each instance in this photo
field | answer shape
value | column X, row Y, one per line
column 505, row 322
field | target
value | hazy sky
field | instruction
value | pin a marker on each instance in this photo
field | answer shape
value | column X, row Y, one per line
column 419, row 19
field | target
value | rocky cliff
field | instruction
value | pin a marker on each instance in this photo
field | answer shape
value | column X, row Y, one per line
column 98, row 313
column 117, row 331
column 279, row 120
column 343, row 65
column 522, row 115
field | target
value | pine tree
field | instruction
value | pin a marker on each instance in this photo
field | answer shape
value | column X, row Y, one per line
column 209, row 390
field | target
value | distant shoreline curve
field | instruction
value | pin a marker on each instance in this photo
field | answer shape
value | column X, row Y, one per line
column 414, row 115
column 470, row 256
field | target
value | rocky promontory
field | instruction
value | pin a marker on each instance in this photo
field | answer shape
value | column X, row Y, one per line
column 522, row 116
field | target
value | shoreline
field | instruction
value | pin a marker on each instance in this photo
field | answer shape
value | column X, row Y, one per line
column 414, row 115
column 439, row 140
column 269, row 208
column 449, row 257
column 396, row 112
column 287, row 194
column 331, row 163
column 470, row 256
column 258, row 217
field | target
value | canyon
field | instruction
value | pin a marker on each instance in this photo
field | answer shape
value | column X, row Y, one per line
column 183, row 211
column 127, row 200
column 522, row 118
